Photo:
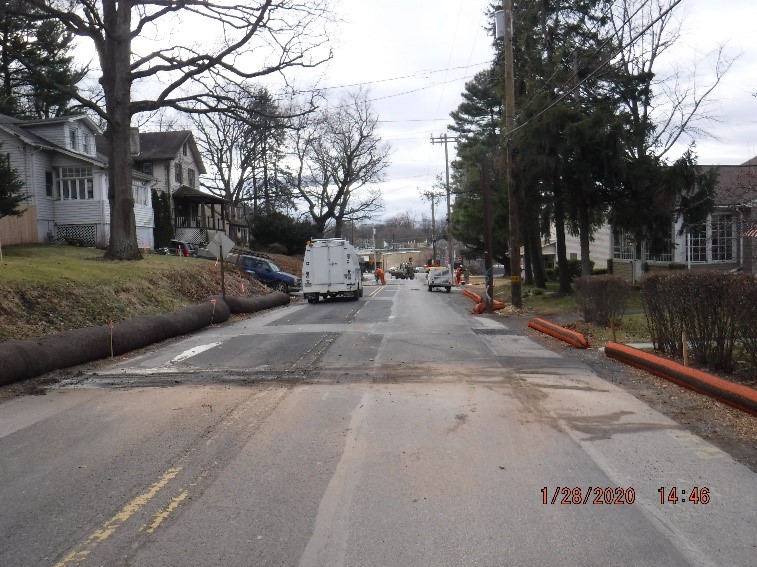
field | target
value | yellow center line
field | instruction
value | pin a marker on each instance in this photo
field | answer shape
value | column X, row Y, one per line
column 163, row 514
column 81, row 551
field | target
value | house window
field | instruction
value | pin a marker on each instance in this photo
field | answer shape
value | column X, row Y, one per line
column 178, row 174
column 140, row 193
column 184, row 149
column 147, row 167
column 76, row 183
column 697, row 243
column 722, row 238
column 49, row 184
column 85, row 143
column 623, row 247
column 191, row 177
column 72, row 138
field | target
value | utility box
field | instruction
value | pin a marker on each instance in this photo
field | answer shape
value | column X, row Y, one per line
column 331, row 268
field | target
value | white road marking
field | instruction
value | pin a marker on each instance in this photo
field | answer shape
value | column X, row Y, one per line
column 193, row 352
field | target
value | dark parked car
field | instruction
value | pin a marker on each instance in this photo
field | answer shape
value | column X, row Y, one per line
column 179, row 248
column 265, row 269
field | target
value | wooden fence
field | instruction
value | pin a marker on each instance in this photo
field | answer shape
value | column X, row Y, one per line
column 20, row 230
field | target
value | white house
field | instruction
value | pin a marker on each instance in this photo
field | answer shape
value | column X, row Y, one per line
column 66, row 182
column 726, row 241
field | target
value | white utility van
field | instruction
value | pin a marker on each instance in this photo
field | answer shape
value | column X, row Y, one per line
column 439, row 277
column 331, row 268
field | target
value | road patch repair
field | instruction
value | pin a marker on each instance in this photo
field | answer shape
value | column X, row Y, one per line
column 28, row 358
column 738, row 396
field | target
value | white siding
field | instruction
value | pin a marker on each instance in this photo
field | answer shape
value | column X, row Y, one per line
column 599, row 249
column 79, row 212
column 55, row 133
column 145, row 238
column 143, row 216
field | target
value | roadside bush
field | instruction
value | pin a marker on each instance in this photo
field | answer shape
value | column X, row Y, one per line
column 602, row 298
column 660, row 311
column 744, row 306
column 714, row 309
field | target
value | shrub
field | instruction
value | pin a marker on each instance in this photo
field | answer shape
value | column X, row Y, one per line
column 714, row 309
column 601, row 299
column 744, row 306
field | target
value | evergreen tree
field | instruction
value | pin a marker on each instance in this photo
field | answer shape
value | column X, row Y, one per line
column 11, row 189
column 37, row 74
column 476, row 122
column 163, row 231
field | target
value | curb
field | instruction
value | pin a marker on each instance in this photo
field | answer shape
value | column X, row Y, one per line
column 738, row 396
column 571, row 337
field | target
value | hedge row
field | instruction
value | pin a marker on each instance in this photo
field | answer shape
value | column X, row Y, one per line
column 717, row 311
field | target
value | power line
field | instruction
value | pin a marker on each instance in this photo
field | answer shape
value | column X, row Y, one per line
column 417, row 74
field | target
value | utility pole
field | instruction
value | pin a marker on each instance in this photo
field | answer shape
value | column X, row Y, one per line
column 488, row 252
column 444, row 139
column 433, row 197
column 512, row 193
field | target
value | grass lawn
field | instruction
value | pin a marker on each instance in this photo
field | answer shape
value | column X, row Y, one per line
column 51, row 265
column 50, row 288
column 545, row 303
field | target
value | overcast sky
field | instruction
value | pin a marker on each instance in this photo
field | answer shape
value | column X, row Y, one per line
column 416, row 56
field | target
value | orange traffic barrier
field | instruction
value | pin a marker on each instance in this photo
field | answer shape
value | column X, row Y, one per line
column 735, row 395
column 572, row 337
column 481, row 303
column 473, row 295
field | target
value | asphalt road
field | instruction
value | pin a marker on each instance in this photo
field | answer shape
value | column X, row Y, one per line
column 394, row 431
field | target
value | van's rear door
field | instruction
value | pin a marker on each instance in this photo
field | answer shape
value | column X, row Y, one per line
column 320, row 264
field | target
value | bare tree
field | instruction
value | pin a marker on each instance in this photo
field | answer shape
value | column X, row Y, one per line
column 251, row 40
column 242, row 153
column 340, row 156
column 664, row 107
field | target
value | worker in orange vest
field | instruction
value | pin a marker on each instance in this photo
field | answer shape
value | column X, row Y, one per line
column 380, row 276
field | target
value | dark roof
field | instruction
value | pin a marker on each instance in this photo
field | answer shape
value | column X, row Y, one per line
column 155, row 146
column 161, row 145
column 737, row 184
column 191, row 194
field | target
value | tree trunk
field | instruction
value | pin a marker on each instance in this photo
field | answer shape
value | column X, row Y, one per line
column 117, row 90
column 537, row 259
column 562, row 256
column 527, row 258
column 584, row 232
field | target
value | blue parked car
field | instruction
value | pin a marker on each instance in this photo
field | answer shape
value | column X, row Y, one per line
column 266, row 270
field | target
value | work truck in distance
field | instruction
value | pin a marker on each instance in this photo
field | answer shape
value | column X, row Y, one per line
column 331, row 268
